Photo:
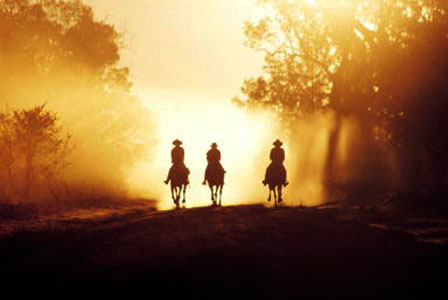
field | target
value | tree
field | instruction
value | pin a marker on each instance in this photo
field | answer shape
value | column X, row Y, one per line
column 52, row 38
column 406, row 53
column 299, row 60
column 6, row 144
column 56, row 52
column 380, row 62
column 36, row 150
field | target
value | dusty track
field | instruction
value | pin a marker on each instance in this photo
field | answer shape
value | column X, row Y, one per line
column 247, row 251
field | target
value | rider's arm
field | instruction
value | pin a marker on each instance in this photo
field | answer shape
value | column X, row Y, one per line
column 182, row 154
column 271, row 156
column 209, row 156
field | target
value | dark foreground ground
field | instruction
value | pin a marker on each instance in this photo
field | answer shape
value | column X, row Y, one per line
column 244, row 252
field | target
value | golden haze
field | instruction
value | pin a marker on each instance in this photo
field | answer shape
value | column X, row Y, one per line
column 184, row 78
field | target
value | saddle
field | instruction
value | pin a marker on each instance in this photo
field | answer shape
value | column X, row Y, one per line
column 215, row 173
column 179, row 173
column 276, row 173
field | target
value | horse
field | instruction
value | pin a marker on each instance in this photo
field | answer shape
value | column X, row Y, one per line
column 179, row 182
column 275, row 179
column 215, row 178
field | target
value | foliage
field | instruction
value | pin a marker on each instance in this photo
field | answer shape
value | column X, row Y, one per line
column 36, row 151
column 52, row 38
column 56, row 52
column 299, row 60
column 382, row 62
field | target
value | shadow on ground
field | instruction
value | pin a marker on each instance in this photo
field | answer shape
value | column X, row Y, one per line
column 244, row 251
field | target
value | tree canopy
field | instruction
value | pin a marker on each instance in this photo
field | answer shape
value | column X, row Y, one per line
column 56, row 52
column 382, row 62
column 34, row 152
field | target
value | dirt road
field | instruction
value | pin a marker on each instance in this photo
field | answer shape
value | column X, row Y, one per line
column 244, row 251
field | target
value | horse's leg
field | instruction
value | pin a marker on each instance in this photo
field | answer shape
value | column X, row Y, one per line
column 280, row 199
column 178, row 191
column 270, row 193
column 213, row 194
column 173, row 196
column 184, row 191
column 220, row 194
column 275, row 197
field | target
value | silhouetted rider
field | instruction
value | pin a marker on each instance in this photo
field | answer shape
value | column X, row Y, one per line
column 177, row 159
column 177, row 153
column 214, row 161
column 277, row 158
column 277, row 153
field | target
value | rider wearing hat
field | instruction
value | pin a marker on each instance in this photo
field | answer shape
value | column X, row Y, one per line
column 277, row 157
column 177, row 159
column 177, row 153
column 214, row 160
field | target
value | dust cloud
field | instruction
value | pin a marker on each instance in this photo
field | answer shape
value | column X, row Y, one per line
column 245, row 140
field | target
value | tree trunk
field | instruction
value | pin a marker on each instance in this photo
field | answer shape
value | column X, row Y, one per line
column 333, row 141
column 29, row 175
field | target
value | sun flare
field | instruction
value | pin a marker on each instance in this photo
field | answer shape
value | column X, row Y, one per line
column 244, row 141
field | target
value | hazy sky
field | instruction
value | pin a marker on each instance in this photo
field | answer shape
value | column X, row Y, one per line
column 187, row 61
column 188, row 46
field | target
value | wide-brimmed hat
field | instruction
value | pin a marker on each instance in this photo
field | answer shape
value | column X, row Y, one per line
column 214, row 145
column 176, row 142
column 278, row 143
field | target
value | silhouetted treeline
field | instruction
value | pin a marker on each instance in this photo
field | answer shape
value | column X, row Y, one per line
column 57, row 53
column 380, row 66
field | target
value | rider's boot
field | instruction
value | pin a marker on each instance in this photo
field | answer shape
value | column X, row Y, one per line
column 285, row 183
column 166, row 181
column 264, row 182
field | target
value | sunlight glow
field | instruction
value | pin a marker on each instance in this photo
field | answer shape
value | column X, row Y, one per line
column 199, row 122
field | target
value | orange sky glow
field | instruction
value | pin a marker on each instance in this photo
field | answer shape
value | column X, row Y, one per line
column 182, row 45
column 187, row 61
